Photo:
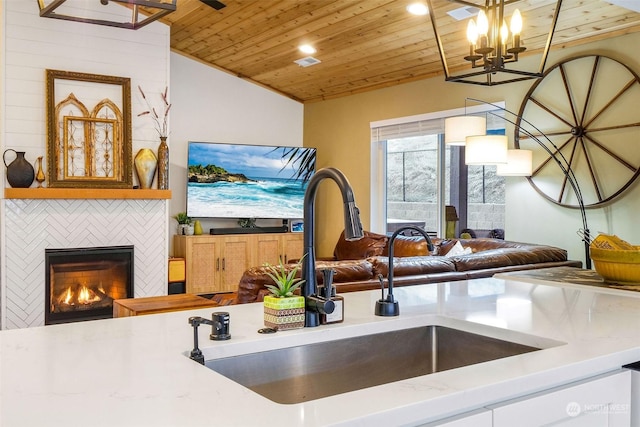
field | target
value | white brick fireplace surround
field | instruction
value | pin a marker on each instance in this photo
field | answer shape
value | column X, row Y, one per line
column 33, row 225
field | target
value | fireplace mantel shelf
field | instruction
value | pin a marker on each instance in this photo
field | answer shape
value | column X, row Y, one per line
column 84, row 193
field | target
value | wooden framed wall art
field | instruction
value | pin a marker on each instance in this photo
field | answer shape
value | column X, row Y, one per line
column 88, row 130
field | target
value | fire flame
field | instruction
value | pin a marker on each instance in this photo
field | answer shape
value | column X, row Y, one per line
column 68, row 296
column 84, row 296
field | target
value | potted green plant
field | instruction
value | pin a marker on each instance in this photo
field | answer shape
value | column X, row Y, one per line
column 283, row 309
column 184, row 224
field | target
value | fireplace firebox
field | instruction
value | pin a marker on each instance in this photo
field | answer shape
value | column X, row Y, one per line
column 81, row 283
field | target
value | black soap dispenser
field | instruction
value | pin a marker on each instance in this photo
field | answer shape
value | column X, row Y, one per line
column 329, row 293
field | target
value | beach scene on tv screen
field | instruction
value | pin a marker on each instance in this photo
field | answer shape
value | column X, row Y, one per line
column 247, row 181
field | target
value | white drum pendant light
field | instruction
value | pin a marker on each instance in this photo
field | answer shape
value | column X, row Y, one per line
column 519, row 163
column 458, row 128
column 486, row 150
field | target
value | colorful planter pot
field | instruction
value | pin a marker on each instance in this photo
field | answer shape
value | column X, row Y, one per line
column 284, row 313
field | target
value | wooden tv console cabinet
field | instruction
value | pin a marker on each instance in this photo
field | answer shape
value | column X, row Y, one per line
column 215, row 263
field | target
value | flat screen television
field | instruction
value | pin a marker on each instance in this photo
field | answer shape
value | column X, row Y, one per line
column 247, row 181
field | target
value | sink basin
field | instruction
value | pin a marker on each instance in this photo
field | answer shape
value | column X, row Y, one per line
column 312, row 371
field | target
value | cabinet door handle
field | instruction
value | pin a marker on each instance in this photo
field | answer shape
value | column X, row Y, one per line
column 217, row 264
column 285, row 258
column 223, row 264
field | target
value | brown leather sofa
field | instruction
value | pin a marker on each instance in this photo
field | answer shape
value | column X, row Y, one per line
column 358, row 264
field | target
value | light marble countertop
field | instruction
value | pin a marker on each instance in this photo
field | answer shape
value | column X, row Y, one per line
column 135, row 371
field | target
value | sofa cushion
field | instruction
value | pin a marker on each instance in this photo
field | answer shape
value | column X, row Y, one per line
column 371, row 244
column 345, row 271
column 408, row 246
column 517, row 254
column 409, row 266
column 486, row 259
column 253, row 280
column 484, row 244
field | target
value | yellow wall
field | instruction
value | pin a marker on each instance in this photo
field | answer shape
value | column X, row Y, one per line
column 339, row 128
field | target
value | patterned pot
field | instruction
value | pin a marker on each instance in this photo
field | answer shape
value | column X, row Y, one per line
column 284, row 313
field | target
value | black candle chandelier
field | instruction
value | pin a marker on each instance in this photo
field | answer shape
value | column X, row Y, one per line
column 493, row 45
column 143, row 12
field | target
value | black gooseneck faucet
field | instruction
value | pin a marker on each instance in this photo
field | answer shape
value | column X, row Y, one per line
column 389, row 306
column 314, row 303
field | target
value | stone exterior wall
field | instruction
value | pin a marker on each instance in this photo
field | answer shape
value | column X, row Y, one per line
column 484, row 216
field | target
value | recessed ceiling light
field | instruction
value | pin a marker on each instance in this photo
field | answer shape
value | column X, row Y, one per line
column 419, row 9
column 307, row 48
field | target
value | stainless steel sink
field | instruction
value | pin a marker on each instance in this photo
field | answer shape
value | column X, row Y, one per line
column 309, row 372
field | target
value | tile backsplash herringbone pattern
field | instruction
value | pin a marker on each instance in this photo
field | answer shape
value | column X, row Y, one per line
column 33, row 225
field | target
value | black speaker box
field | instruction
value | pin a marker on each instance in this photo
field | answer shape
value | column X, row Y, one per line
column 254, row 230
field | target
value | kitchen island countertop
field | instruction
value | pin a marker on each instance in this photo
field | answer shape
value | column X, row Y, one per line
column 135, row 371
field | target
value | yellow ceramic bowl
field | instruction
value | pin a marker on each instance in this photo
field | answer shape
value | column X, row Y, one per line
column 617, row 265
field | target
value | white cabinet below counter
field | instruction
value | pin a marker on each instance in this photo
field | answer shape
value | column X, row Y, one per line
column 604, row 400
column 479, row 418
column 600, row 401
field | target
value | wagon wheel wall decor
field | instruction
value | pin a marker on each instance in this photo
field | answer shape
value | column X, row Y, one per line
column 588, row 108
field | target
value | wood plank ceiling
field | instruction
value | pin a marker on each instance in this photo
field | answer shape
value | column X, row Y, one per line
column 362, row 44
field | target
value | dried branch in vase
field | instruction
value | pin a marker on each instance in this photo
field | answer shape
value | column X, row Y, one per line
column 161, row 122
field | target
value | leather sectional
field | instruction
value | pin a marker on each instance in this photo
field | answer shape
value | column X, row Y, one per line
column 357, row 264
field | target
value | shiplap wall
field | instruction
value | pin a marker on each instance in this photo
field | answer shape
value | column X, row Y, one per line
column 30, row 45
column 34, row 44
